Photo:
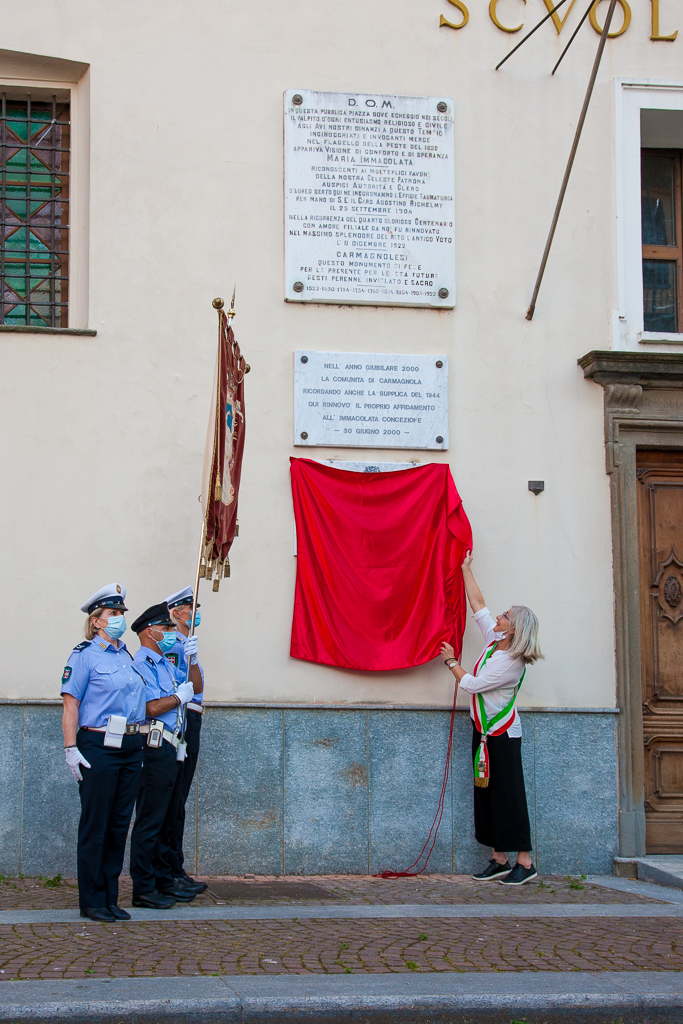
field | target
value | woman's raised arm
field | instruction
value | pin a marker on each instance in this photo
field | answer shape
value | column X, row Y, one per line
column 474, row 594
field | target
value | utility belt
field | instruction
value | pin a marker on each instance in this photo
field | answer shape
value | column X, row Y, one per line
column 199, row 708
column 157, row 732
column 115, row 729
column 130, row 729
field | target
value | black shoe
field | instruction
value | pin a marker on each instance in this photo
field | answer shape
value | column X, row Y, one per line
column 519, row 875
column 97, row 913
column 493, row 871
column 119, row 913
column 153, row 900
column 185, row 882
column 179, row 894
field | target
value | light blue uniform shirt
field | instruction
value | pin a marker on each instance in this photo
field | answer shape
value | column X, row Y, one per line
column 160, row 678
column 104, row 679
column 176, row 656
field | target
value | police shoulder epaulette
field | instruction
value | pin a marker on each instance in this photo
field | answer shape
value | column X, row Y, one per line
column 82, row 646
column 150, row 660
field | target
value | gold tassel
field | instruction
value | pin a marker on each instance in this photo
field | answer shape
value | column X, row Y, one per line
column 218, row 492
column 481, row 783
column 216, row 584
column 237, row 527
column 226, row 569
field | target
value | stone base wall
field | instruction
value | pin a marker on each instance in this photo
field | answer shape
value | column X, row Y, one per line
column 328, row 791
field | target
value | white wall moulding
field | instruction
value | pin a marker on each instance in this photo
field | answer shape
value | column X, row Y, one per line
column 369, row 204
column 648, row 113
column 370, row 400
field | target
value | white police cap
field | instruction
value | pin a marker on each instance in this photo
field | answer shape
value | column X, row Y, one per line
column 111, row 596
column 183, row 596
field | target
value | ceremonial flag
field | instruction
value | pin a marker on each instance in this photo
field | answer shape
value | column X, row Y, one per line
column 379, row 583
column 223, row 452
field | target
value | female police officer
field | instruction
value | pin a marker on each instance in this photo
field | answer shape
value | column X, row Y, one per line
column 104, row 703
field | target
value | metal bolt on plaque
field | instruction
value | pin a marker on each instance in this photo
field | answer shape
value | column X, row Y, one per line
column 298, row 286
column 442, row 107
column 443, row 293
column 304, row 435
column 304, row 359
column 297, row 99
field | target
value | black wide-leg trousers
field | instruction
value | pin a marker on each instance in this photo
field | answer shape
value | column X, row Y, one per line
column 501, row 815
column 107, row 792
column 181, row 791
column 150, row 841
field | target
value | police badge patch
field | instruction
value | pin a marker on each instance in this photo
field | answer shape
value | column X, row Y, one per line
column 66, row 673
column 173, row 658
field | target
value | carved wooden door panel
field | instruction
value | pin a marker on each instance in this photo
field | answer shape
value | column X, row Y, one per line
column 660, row 525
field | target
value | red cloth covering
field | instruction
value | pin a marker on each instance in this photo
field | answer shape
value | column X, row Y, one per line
column 378, row 581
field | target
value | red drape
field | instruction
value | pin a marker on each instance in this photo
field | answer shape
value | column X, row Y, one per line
column 378, row 582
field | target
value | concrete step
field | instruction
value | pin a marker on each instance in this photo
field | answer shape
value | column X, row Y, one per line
column 660, row 869
column 538, row 997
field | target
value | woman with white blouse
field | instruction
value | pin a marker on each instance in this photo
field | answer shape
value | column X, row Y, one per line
column 501, row 817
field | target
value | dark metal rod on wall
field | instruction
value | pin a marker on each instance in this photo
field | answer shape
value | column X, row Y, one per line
column 591, row 5
column 570, row 163
column 529, row 34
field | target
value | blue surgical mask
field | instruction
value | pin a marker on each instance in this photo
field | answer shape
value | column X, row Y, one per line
column 197, row 619
column 116, row 627
column 167, row 641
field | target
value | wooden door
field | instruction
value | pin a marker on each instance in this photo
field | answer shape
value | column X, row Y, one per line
column 660, row 527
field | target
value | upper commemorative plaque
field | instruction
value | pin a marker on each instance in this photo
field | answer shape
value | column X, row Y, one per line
column 369, row 208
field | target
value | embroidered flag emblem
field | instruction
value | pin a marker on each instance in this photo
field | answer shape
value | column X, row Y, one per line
column 173, row 658
column 66, row 673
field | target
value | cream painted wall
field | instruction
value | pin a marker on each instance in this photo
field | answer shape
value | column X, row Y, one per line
column 103, row 437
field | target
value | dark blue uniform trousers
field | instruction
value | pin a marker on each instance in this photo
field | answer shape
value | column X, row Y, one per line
column 150, row 841
column 181, row 790
column 107, row 792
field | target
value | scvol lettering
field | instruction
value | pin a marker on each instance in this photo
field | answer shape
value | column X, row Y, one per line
column 656, row 35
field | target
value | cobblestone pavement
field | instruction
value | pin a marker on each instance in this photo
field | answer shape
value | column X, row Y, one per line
column 38, row 894
column 137, row 949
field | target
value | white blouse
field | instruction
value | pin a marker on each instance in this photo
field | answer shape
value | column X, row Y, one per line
column 497, row 679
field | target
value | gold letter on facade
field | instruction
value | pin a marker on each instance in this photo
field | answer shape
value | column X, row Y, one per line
column 494, row 18
column 465, row 15
column 655, row 25
column 593, row 18
column 558, row 22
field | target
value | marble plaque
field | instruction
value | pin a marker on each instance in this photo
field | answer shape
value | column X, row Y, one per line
column 370, row 400
column 369, row 211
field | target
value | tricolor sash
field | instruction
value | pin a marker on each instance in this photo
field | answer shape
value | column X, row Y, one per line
column 495, row 726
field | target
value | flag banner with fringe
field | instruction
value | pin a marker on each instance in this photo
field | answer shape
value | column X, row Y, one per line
column 223, row 455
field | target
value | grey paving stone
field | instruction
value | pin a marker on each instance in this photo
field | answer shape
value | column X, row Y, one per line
column 326, row 792
column 51, row 807
column 576, row 793
column 240, row 792
column 11, row 730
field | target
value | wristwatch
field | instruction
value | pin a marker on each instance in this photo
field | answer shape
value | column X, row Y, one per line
column 449, row 662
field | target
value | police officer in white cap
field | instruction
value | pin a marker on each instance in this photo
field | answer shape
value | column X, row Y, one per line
column 104, row 704
column 183, row 657
column 150, row 869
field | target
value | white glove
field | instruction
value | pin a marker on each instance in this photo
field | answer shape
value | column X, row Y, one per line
column 186, row 692
column 74, row 758
column 191, row 649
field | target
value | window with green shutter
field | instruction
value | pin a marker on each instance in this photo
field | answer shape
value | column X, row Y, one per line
column 34, row 212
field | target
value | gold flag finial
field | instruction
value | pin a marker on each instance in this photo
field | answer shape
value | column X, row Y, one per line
column 231, row 311
column 218, row 303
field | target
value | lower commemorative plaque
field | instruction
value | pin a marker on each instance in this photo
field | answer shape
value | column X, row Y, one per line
column 369, row 206
column 370, row 400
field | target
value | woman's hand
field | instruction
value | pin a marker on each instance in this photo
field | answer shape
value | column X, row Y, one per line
column 447, row 652
column 467, row 560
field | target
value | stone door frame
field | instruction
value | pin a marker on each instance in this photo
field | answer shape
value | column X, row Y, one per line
column 643, row 400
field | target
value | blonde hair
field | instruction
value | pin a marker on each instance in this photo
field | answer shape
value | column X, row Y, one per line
column 90, row 630
column 525, row 643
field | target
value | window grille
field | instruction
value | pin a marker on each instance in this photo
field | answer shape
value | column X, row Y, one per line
column 34, row 212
